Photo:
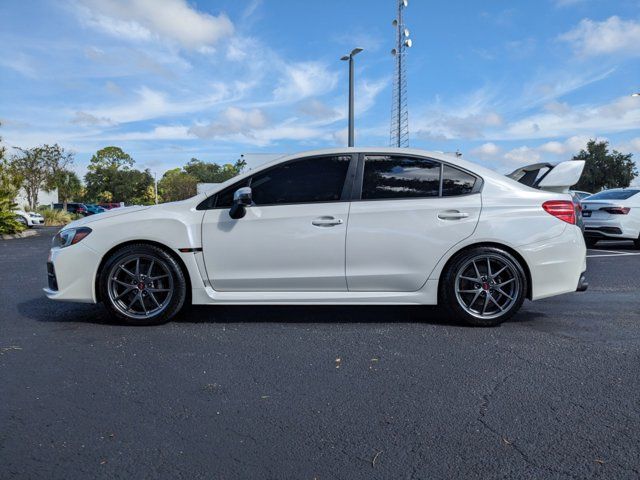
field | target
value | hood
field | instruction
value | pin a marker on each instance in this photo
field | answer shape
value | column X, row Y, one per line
column 108, row 214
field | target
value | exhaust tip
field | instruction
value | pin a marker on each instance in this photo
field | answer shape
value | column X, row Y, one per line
column 582, row 283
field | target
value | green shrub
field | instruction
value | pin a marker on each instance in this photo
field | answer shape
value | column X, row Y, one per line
column 8, row 222
column 53, row 218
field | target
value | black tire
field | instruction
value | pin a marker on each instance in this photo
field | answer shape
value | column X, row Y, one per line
column 590, row 242
column 452, row 300
column 170, row 286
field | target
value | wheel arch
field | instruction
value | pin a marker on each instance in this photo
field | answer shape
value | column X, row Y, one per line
column 169, row 251
column 510, row 250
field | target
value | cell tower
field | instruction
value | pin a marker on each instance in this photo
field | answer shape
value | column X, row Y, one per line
column 399, row 136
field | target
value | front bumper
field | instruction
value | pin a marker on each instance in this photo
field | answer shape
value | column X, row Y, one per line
column 71, row 274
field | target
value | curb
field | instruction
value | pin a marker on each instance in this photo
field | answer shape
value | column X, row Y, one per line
column 26, row 233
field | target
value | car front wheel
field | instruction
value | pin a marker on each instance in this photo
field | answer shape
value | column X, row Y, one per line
column 142, row 284
column 483, row 286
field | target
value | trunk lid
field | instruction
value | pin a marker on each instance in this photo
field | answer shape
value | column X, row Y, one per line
column 596, row 209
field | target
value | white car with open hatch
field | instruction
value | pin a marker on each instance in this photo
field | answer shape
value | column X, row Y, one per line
column 334, row 226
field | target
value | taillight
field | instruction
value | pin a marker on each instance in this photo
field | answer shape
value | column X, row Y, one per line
column 562, row 209
column 616, row 210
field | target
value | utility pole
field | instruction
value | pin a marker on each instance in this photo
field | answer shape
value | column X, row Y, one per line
column 399, row 131
column 349, row 57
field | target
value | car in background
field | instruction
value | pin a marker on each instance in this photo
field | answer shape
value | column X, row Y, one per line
column 73, row 207
column 336, row 226
column 109, row 206
column 93, row 209
column 580, row 194
column 29, row 219
column 612, row 215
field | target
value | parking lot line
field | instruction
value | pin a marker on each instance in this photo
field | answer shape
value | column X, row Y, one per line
column 613, row 253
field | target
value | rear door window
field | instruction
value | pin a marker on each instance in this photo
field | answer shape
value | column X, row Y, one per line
column 390, row 176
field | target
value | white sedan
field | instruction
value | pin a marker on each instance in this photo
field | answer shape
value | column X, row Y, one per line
column 612, row 215
column 335, row 226
column 29, row 219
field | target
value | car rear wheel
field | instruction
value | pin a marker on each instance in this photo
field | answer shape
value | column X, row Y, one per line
column 142, row 285
column 483, row 286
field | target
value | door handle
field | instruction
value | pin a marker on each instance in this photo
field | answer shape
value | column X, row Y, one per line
column 452, row 215
column 327, row 222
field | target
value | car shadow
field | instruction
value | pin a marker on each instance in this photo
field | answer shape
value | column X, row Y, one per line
column 614, row 245
column 43, row 310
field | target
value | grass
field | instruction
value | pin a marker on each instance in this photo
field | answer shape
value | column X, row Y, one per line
column 53, row 218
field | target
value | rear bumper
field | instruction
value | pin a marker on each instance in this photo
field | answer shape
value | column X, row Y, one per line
column 609, row 229
column 556, row 265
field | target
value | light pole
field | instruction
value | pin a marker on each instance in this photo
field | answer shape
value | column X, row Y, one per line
column 349, row 57
column 155, row 185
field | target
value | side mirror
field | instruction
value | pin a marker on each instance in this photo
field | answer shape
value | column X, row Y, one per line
column 242, row 198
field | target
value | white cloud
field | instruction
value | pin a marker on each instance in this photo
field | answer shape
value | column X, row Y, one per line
column 305, row 79
column 553, row 152
column 84, row 118
column 614, row 35
column 173, row 20
column 619, row 115
column 486, row 150
column 165, row 132
column 368, row 91
column 151, row 104
column 522, row 156
column 19, row 63
column 319, row 110
column 232, row 121
column 567, row 3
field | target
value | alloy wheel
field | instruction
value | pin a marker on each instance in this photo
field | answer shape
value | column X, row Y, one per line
column 487, row 286
column 140, row 286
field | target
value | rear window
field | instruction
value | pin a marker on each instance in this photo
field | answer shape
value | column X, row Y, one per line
column 613, row 195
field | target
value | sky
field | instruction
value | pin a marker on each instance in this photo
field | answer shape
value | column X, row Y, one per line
column 505, row 82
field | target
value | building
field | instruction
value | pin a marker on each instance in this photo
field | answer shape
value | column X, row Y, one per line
column 44, row 198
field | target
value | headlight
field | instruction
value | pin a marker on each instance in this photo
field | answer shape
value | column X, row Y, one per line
column 70, row 236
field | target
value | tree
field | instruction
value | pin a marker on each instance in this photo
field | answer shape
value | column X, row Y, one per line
column 39, row 168
column 58, row 161
column 31, row 172
column 177, row 185
column 69, row 186
column 2, row 149
column 111, row 175
column 604, row 169
column 207, row 172
column 8, row 222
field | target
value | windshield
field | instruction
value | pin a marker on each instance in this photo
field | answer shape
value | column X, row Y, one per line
column 613, row 195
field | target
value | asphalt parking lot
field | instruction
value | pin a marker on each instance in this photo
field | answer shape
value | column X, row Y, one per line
column 321, row 392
